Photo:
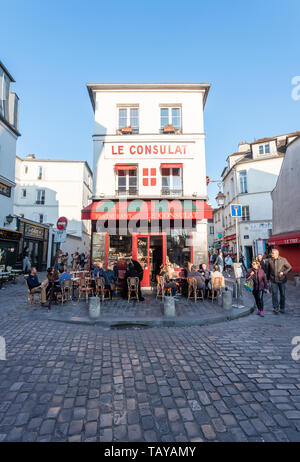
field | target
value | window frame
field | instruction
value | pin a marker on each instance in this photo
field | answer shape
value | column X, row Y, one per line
column 171, row 189
column 243, row 181
column 42, row 199
column 126, row 191
column 129, row 118
column 170, row 117
column 245, row 213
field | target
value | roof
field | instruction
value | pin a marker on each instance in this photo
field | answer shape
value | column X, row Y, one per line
column 55, row 160
column 147, row 86
column 264, row 140
column 6, row 71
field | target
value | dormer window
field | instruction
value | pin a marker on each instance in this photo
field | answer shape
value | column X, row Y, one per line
column 264, row 149
column 129, row 120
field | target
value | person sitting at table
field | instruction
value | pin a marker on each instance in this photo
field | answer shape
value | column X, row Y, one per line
column 205, row 273
column 199, row 278
column 216, row 274
column 112, row 279
column 35, row 285
column 168, row 283
column 99, row 272
column 132, row 273
column 52, row 283
column 63, row 275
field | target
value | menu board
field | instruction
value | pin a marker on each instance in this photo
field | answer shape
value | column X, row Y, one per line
column 98, row 250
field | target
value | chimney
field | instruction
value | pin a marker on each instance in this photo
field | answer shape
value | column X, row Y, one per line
column 30, row 156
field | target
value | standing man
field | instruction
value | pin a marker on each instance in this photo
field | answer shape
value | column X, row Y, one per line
column 278, row 268
column 220, row 262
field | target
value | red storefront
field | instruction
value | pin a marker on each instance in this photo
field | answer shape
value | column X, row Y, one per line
column 148, row 231
column 289, row 248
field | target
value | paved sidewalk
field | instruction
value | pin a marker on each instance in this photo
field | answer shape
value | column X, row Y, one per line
column 149, row 312
column 232, row 381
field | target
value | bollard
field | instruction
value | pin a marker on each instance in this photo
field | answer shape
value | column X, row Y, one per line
column 169, row 306
column 94, row 307
column 297, row 280
column 227, row 300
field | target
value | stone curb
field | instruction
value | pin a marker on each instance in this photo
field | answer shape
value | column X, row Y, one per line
column 229, row 315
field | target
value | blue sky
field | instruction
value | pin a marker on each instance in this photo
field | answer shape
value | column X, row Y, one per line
column 248, row 51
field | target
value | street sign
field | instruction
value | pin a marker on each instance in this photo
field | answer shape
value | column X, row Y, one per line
column 236, row 210
column 60, row 235
column 62, row 223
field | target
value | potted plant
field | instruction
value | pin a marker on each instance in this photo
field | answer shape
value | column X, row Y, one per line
column 169, row 129
column 126, row 130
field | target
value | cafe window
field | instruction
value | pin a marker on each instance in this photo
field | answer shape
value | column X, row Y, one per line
column 126, row 181
column 129, row 117
column 40, row 197
column 120, row 247
column 171, row 180
column 179, row 247
column 170, row 116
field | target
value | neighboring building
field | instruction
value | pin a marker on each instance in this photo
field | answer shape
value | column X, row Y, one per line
column 50, row 188
column 218, row 218
column 9, row 133
column 149, row 150
column 248, row 180
column 210, row 233
column 286, row 207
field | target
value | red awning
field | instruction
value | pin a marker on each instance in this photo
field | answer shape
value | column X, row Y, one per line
column 153, row 210
column 171, row 165
column 125, row 167
column 285, row 239
column 230, row 238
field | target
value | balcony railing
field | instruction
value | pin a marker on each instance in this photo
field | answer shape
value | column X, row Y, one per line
column 171, row 192
column 40, row 202
column 127, row 192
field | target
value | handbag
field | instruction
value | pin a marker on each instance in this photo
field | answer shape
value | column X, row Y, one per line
column 249, row 285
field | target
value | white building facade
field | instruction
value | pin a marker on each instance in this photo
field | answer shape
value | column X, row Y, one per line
column 9, row 103
column 149, row 151
column 248, row 179
column 47, row 189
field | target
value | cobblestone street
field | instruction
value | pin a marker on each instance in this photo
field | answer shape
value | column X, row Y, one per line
column 233, row 381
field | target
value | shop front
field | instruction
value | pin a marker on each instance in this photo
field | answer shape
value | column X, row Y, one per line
column 150, row 232
column 288, row 246
column 9, row 242
column 35, row 238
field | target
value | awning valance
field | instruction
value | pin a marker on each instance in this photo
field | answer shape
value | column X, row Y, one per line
column 153, row 210
column 171, row 165
column 285, row 239
column 230, row 238
column 125, row 167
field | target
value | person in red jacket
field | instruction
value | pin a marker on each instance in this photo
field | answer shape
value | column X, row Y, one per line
column 260, row 285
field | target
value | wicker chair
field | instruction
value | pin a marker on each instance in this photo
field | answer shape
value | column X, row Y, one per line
column 216, row 288
column 193, row 291
column 133, row 288
column 160, row 286
column 66, row 290
column 84, row 287
column 101, row 290
column 32, row 297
